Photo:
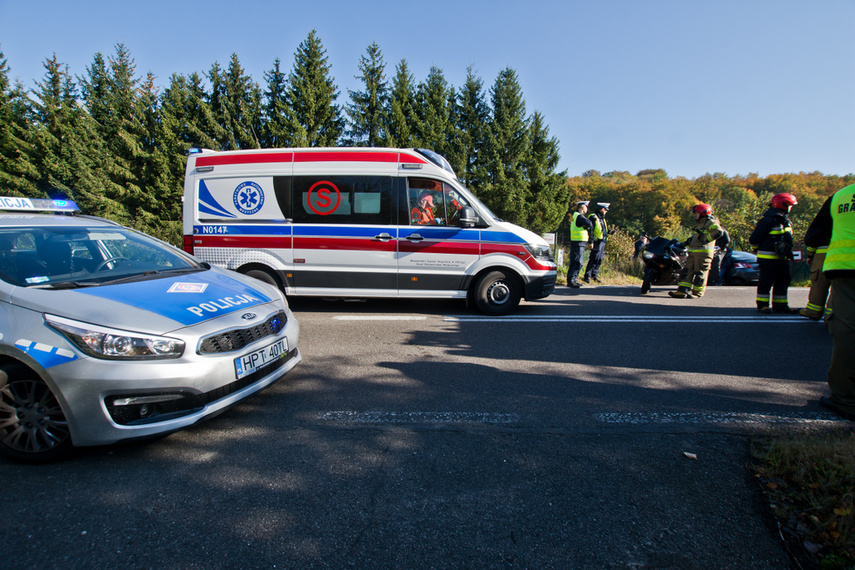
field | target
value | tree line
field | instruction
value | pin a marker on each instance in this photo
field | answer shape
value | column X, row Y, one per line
column 117, row 144
column 650, row 201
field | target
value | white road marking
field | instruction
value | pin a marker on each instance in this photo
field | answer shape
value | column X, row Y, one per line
column 379, row 318
column 639, row 418
column 627, row 319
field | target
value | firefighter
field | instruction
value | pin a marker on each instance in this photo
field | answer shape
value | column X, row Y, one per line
column 599, row 235
column 772, row 241
column 835, row 225
column 579, row 226
column 693, row 279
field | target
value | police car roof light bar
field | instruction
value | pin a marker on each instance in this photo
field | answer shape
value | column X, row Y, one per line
column 17, row 204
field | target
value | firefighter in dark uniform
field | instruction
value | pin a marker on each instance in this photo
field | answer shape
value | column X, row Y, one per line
column 772, row 241
column 835, row 225
column 599, row 235
column 579, row 227
column 693, row 278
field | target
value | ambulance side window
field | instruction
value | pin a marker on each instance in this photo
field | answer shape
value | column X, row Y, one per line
column 342, row 200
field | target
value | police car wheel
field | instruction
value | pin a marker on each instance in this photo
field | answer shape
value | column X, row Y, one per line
column 33, row 428
column 497, row 293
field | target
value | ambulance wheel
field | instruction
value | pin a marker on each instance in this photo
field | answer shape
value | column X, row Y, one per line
column 33, row 428
column 497, row 293
column 263, row 275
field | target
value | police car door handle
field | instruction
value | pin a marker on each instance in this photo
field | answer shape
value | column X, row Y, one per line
column 383, row 237
column 415, row 237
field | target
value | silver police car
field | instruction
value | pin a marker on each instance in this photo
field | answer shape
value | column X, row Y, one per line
column 109, row 335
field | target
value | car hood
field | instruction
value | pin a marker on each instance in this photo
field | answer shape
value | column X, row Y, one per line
column 155, row 305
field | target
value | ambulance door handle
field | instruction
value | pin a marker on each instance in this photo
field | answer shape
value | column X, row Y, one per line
column 383, row 237
column 415, row 237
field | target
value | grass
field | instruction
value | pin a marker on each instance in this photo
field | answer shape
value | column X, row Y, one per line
column 809, row 481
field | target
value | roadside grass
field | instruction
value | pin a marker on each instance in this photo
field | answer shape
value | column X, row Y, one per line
column 809, row 481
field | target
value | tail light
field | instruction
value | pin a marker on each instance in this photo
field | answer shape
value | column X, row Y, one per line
column 188, row 244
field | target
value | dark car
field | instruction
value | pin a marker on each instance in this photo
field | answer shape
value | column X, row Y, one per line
column 743, row 269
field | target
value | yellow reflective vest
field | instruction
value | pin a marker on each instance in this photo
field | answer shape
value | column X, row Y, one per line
column 841, row 249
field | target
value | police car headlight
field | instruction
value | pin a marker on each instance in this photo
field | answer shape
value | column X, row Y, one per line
column 114, row 344
column 539, row 251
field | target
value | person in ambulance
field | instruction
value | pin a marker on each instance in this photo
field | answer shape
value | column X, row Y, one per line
column 109, row 335
column 422, row 213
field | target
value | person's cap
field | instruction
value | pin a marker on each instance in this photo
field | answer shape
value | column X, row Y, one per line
column 604, row 205
column 583, row 202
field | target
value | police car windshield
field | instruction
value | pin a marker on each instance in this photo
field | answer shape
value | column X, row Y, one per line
column 72, row 256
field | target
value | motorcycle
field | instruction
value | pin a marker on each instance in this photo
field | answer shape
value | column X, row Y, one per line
column 664, row 260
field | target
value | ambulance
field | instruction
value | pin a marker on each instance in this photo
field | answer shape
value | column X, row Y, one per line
column 359, row 223
column 109, row 335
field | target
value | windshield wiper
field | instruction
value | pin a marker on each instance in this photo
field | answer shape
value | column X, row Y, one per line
column 64, row 285
column 153, row 274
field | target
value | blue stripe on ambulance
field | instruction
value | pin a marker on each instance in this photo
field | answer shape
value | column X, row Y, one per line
column 220, row 295
column 209, row 205
column 450, row 233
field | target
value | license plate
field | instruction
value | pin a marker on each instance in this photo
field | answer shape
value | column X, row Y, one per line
column 249, row 363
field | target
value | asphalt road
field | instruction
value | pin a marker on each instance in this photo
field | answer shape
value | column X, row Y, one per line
column 594, row 429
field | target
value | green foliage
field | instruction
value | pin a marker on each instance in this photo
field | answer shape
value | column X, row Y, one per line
column 367, row 110
column 314, row 118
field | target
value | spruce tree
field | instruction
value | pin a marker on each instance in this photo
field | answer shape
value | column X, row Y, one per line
column 507, row 191
column 403, row 122
column 314, row 117
column 548, row 194
column 18, row 173
column 434, row 112
column 473, row 120
column 111, row 96
column 367, row 109
column 72, row 159
column 277, row 127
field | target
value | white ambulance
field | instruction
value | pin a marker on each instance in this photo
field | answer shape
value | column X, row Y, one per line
column 358, row 223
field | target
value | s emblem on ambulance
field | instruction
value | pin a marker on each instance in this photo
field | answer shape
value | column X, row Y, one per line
column 248, row 316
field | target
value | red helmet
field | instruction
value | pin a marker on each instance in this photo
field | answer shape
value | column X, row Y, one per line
column 702, row 209
column 782, row 201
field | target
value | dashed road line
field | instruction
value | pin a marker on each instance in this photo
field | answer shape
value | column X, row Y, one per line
column 619, row 418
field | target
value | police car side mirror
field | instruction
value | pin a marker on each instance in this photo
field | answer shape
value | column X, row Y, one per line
column 468, row 217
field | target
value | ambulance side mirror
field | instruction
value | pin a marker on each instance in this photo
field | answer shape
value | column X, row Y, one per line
column 468, row 217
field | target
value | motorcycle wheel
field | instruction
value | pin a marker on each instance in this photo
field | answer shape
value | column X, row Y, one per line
column 647, row 282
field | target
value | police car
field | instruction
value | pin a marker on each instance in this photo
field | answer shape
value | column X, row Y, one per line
column 109, row 335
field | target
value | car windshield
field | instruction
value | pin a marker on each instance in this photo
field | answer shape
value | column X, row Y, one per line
column 61, row 257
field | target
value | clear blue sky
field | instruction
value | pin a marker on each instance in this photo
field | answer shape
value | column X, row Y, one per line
column 690, row 86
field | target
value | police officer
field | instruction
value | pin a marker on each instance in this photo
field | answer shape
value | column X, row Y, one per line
column 819, row 304
column 599, row 235
column 579, row 228
column 835, row 225
column 693, row 278
column 772, row 241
